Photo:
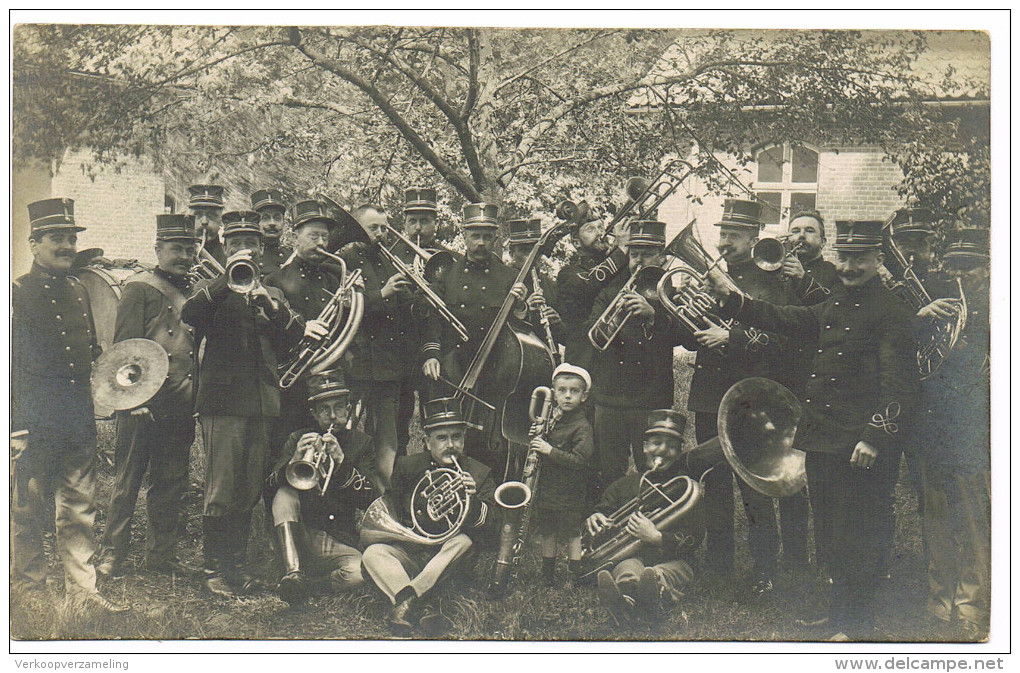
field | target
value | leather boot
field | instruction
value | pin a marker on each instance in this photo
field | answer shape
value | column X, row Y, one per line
column 218, row 565
column 292, row 588
column 400, row 616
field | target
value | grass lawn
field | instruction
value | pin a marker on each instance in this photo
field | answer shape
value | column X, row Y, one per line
column 173, row 609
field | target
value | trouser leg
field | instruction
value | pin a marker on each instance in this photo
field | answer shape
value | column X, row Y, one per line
column 626, row 574
column 224, row 438
column 614, row 437
column 972, row 496
column 819, row 467
column 75, row 495
column 885, row 522
column 719, row 539
column 341, row 561
column 169, row 480
column 380, row 399
column 674, row 577
column 131, row 458
column 440, row 565
column 28, row 508
column 793, row 516
column 762, row 531
column 405, row 411
column 943, row 556
column 390, row 567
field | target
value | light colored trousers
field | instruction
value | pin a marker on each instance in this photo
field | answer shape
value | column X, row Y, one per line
column 396, row 566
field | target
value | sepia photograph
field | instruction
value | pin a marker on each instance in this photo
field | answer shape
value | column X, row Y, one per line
column 380, row 328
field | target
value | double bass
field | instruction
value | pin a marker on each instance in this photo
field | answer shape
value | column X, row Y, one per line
column 514, row 360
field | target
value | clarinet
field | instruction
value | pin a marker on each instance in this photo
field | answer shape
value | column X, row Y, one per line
column 517, row 497
column 550, row 341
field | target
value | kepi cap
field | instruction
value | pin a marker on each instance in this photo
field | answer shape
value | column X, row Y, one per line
column 267, row 198
column 968, row 248
column 329, row 383
column 52, row 214
column 207, row 196
column 524, row 232
column 420, row 198
column 441, row 412
column 912, row 220
column 175, row 226
column 858, row 235
column 648, row 233
column 480, row 215
column 241, row 222
column 666, row 422
column 741, row 213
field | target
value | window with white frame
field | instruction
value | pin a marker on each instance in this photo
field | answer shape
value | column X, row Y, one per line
column 786, row 181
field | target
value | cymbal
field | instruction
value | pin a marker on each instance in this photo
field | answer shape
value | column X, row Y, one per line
column 129, row 374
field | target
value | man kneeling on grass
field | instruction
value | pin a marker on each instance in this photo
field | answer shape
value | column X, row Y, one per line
column 660, row 567
column 315, row 526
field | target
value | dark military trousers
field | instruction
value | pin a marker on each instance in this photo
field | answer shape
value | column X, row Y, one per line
column 762, row 530
column 847, row 504
column 619, row 433
column 237, row 463
column 163, row 447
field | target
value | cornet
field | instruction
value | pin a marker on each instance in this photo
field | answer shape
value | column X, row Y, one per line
column 770, row 253
column 314, row 467
column 242, row 276
column 605, row 330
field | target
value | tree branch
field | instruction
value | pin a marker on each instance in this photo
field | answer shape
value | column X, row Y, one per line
column 334, row 66
column 472, row 94
column 564, row 52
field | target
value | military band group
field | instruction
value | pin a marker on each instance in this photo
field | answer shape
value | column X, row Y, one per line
column 605, row 471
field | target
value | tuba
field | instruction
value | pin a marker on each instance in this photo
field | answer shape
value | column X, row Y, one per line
column 517, row 497
column 318, row 355
column 758, row 420
column 439, row 507
column 690, row 302
column 314, row 468
column 941, row 334
column 605, row 330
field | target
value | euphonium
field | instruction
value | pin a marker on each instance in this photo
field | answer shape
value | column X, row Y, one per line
column 942, row 335
column 319, row 355
column 439, row 507
column 314, row 468
column 769, row 253
column 516, row 498
column 758, row 421
column 206, row 267
column 604, row 330
column 691, row 303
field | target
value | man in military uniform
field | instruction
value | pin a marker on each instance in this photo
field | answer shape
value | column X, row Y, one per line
column 382, row 352
column 725, row 356
column 813, row 275
column 474, row 290
column 53, row 427
column 308, row 285
column 953, row 437
column 269, row 204
column 420, row 220
column 206, row 204
column 315, row 528
column 634, row 374
column 158, row 435
column 862, row 389
column 522, row 235
column 406, row 571
column 579, row 282
column 238, row 396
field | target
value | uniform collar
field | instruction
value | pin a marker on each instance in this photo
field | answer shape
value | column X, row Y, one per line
column 180, row 282
column 741, row 266
column 48, row 274
column 479, row 266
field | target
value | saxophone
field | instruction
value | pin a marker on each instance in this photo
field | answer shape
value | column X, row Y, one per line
column 516, row 499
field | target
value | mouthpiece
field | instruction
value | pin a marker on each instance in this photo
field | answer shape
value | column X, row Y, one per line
column 656, row 463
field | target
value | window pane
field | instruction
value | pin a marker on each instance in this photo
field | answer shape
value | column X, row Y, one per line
column 770, row 165
column 805, row 165
column 773, row 203
column 799, row 202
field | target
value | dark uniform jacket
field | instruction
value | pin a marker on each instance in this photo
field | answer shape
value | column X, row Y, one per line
column 474, row 292
column 954, row 425
column 548, row 289
column 577, row 286
column 408, row 470
column 237, row 375
column 636, row 371
column 819, row 278
column 53, row 343
column 562, row 481
column 307, row 286
column 750, row 351
column 384, row 347
column 215, row 248
column 150, row 308
column 863, row 382
column 353, row 485
column 680, row 541
column 273, row 258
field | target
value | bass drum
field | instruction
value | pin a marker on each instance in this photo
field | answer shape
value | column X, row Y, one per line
column 105, row 284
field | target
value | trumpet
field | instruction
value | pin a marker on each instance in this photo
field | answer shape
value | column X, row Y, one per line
column 605, row 330
column 319, row 355
column 314, row 467
column 517, row 497
column 242, row 276
column 434, row 265
column 770, row 253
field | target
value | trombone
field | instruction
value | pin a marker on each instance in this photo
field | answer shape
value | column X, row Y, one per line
column 435, row 264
